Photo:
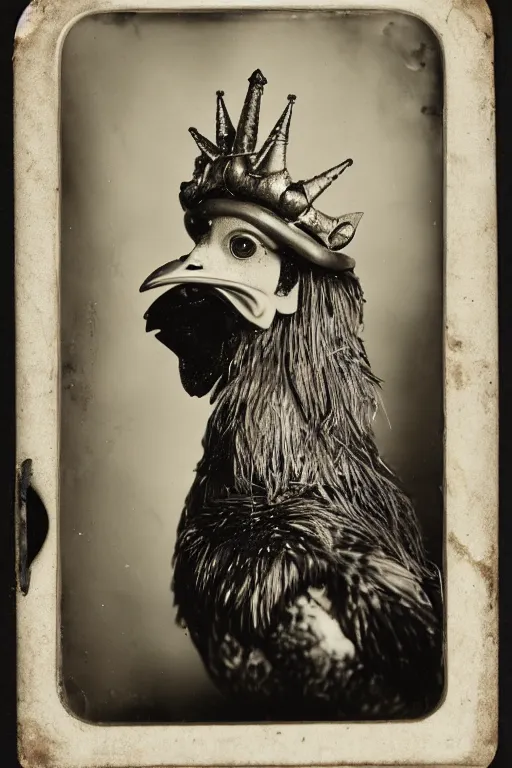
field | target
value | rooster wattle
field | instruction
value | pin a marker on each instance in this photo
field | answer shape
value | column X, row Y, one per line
column 299, row 568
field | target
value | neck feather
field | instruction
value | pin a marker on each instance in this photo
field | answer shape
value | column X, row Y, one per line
column 293, row 416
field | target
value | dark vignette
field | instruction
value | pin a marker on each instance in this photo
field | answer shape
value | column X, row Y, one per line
column 502, row 18
column 11, row 11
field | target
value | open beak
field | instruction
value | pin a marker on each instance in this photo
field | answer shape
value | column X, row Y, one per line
column 251, row 302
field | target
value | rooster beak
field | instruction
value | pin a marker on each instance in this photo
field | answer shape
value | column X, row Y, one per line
column 249, row 285
column 161, row 276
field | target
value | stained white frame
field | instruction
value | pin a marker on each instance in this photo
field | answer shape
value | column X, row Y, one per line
column 462, row 731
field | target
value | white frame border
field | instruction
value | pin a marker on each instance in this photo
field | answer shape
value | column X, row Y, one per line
column 462, row 731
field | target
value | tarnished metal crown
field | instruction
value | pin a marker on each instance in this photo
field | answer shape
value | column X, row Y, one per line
column 232, row 168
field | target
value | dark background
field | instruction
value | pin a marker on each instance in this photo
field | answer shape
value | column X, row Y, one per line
column 11, row 10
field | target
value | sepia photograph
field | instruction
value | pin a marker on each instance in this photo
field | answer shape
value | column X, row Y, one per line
column 251, row 450
column 256, row 371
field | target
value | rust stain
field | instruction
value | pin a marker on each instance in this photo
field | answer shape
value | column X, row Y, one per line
column 74, row 378
column 485, row 570
column 36, row 13
column 78, row 357
column 453, row 343
column 486, row 736
column 40, row 5
column 412, row 43
column 457, row 375
column 35, row 749
column 477, row 11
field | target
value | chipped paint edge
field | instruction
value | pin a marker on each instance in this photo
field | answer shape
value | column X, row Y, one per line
column 463, row 730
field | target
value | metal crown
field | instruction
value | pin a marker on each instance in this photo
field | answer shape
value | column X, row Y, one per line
column 233, row 168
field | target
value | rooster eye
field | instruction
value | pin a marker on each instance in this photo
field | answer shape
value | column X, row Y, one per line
column 242, row 247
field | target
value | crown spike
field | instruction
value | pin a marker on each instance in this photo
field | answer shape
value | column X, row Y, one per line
column 247, row 129
column 205, row 145
column 225, row 130
column 245, row 179
column 272, row 156
column 344, row 230
column 314, row 187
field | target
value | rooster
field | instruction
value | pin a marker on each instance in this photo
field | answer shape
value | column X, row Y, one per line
column 299, row 567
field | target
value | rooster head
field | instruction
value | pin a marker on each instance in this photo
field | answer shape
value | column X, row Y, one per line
column 254, row 229
column 233, row 279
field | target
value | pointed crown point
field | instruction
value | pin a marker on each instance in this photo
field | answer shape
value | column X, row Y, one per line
column 258, row 78
column 233, row 165
column 225, row 130
column 205, row 145
column 314, row 187
column 344, row 230
column 272, row 156
column 247, row 129
column 334, row 173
